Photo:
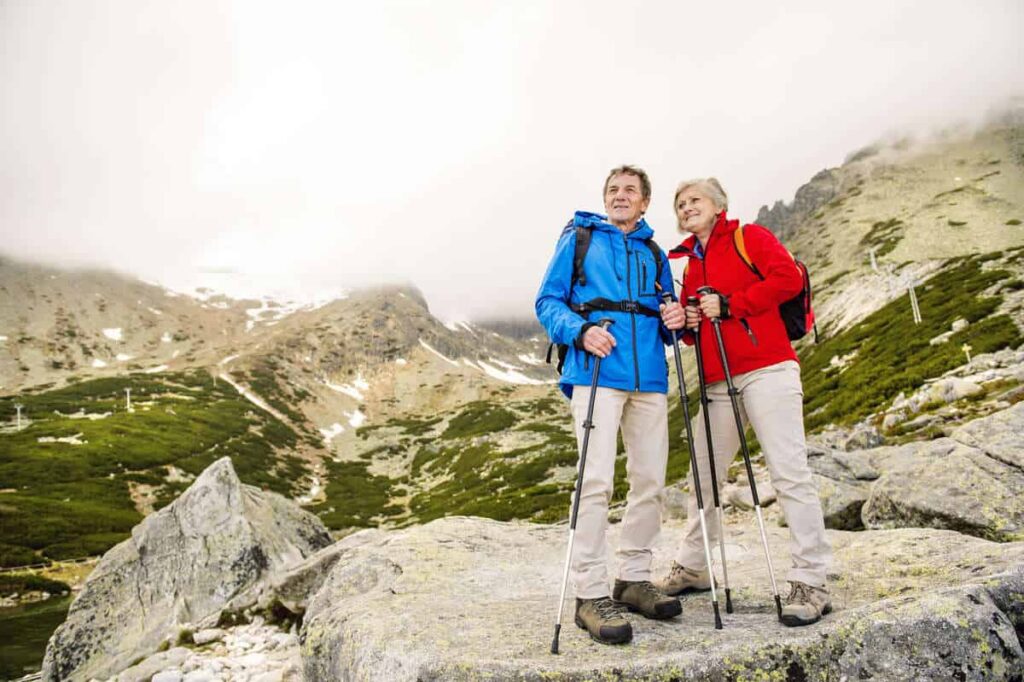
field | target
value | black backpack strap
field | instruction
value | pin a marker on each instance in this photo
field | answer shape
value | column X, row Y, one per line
column 614, row 306
column 583, row 235
column 656, row 252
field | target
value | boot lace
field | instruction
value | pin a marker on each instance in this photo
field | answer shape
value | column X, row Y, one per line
column 799, row 593
column 607, row 609
column 647, row 588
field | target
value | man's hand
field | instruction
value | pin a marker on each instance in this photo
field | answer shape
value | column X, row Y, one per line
column 672, row 315
column 711, row 305
column 598, row 341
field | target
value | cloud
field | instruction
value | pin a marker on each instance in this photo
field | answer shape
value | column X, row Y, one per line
column 443, row 143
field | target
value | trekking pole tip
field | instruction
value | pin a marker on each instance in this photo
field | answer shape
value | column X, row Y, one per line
column 778, row 606
column 718, row 616
column 728, row 600
column 554, row 642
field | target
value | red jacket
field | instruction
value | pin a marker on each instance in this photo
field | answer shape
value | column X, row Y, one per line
column 751, row 300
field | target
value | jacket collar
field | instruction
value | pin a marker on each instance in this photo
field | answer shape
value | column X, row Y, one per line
column 600, row 221
column 723, row 227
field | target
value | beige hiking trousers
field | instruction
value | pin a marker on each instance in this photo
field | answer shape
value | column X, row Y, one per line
column 771, row 400
column 643, row 420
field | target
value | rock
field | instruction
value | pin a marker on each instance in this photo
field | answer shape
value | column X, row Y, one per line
column 940, row 339
column 143, row 671
column 167, row 676
column 841, row 503
column 206, row 636
column 675, row 503
column 946, row 484
column 424, row 604
column 959, row 324
column 857, row 464
column 739, row 495
column 864, row 436
column 295, row 587
column 217, row 547
column 1000, row 435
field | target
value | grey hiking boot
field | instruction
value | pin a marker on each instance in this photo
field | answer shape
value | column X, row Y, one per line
column 805, row 604
column 644, row 598
column 681, row 580
column 603, row 619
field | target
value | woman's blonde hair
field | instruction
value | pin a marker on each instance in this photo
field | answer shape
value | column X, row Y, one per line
column 709, row 187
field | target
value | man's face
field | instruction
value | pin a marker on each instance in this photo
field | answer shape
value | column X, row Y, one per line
column 623, row 200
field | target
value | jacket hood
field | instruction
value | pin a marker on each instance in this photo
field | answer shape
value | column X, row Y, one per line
column 599, row 221
column 723, row 227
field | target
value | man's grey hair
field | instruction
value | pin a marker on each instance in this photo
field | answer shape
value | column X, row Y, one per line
column 626, row 169
column 709, row 187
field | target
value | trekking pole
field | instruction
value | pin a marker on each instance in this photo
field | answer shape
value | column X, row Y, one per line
column 692, row 300
column 716, row 324
column 587, row 426
column 696, row 473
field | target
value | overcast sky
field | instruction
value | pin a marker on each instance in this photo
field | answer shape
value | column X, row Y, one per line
column 444, row 142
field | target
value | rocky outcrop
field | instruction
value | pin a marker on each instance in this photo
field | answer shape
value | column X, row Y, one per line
column 218, row 547
column 783, row 219
column 465, row 598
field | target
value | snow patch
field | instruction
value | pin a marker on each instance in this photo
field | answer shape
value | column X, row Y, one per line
column 446, row 359
column 155, row 311
column 530, row 359
column 401, row 361
column 98, row 364
column 154, row 370
column 248, row 395
column 509, row 376
column 348, row 390
column 227, row 359
column 124, row 357
column 314, row 490
column 113, row 333
column 329, row 433
column 355, row 418
column 166, row 338
column 3, row 338
column 360, row 383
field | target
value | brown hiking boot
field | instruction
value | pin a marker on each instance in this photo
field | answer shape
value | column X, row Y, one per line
column 805, row 604
column 644, row 598
column 681, row 580
column 603, row 619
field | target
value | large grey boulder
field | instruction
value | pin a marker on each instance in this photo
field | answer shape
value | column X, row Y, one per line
column 999, row 435
column 468, row 599
column 217, row 547
column 946, row 484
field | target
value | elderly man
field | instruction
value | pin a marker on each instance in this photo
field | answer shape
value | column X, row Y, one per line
column 610, row 267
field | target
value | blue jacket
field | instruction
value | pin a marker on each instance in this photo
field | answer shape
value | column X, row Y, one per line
column 619, row 267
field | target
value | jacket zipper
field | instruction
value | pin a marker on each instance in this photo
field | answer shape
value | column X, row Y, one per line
column 632, row 316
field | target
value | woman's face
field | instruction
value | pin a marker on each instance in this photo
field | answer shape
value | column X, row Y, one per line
column 695, row 211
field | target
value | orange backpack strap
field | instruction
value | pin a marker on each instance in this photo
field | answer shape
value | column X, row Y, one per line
column 741, row 250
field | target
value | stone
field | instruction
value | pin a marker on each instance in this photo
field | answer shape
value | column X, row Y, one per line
column 946, row 484
column 863, row 436
column 217, row 547
column 959, row 324
column 841, row 502
column 465, row 599
column 206, row 636
column 167, row 676
column 1000, row 435
column 675, row 503
column 738, row 494
column 146, row 669
column 857, row 464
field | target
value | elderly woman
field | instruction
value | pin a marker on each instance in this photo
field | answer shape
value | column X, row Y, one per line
column 766, row 373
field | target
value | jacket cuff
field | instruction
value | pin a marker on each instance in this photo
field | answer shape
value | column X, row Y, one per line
column 578, row 341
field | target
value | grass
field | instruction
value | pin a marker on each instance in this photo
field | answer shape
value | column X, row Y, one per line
column 20, row 583
column 883, row 236
column 355, row 497
column 893, row 354
column 68, row 501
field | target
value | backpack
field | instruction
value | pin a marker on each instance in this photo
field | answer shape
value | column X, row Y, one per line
column 797, row 313
column 583, row 235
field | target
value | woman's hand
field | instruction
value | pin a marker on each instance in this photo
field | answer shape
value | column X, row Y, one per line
column 711, row 305
column 692, row 317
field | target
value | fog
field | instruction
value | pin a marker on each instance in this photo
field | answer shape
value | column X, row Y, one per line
column 445, row 143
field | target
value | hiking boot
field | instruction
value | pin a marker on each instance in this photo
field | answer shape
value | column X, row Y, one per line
column 805, row 604
column 681, row 580
column 644, row 598
column 603, row 619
